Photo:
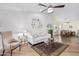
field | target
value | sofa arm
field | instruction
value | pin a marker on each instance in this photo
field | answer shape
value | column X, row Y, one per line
column 30, row 37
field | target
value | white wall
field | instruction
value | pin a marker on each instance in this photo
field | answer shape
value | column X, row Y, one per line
column 70, row 13
column 18, row 21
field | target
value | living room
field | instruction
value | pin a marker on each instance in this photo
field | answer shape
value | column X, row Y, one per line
column 38, row 30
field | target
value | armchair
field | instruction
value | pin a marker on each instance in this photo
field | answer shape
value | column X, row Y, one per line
column 9, row 44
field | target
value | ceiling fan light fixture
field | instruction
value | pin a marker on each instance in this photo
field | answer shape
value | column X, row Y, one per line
column 40, row 10
column 50, row 10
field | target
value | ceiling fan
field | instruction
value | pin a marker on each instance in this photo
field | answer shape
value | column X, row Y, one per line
column 50, row 7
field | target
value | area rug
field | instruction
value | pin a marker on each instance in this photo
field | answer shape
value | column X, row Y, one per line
column 55, row 49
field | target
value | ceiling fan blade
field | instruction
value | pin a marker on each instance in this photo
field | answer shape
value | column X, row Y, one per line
column 44, row 10
column 60, row 6
column 42, row 5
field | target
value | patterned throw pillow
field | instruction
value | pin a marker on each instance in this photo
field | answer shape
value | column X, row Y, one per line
column 35, row 35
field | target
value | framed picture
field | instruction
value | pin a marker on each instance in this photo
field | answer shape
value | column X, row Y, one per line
column 36, row 23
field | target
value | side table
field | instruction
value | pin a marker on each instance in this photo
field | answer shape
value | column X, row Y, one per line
column 23, row 40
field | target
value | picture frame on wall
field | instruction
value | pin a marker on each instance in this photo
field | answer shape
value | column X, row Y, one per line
column 36, row 23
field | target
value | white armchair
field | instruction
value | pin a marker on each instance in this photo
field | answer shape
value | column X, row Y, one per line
column 9, row 43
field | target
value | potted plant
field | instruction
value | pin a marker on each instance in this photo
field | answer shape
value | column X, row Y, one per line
column 50, row 30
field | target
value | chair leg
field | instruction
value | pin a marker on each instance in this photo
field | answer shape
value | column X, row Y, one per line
column 19, row 47
column 11, row 52
column 3, row 52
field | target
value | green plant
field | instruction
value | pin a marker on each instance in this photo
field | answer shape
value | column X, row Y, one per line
column 49, row 26
column 50, row 30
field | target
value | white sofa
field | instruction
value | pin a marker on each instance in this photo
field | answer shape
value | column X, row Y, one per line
column 38, row 36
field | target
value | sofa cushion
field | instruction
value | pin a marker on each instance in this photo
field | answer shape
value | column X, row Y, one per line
column 35, row 35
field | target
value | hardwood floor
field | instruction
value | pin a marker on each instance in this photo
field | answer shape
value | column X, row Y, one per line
column 25, row 51
column 72, row 50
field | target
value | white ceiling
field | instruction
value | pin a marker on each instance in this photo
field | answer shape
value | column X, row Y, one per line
column 28, row 7
column 70, row 11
